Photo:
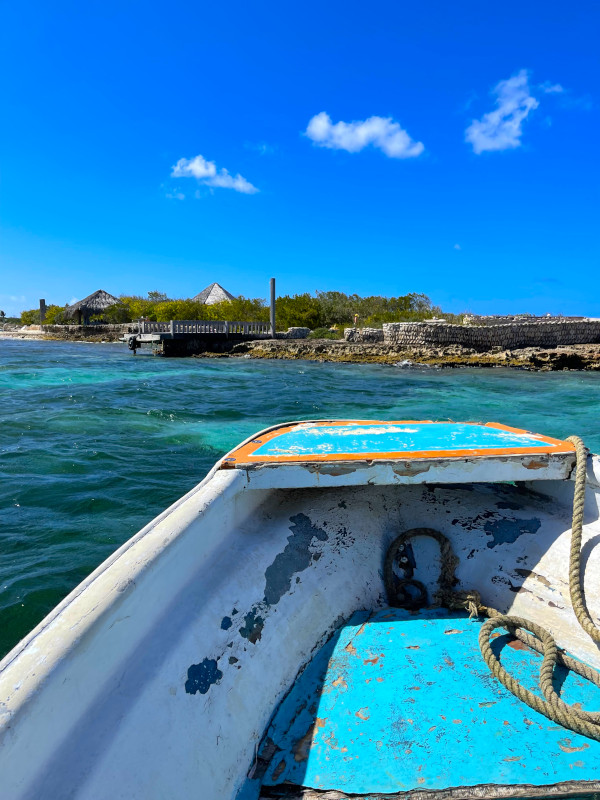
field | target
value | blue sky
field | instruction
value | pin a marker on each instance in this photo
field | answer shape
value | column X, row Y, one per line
column 381, row 148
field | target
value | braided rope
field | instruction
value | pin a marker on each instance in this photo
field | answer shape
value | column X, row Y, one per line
column 534, row 636
column 577, row 598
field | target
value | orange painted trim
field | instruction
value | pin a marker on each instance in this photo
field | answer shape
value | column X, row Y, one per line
column 246, row 453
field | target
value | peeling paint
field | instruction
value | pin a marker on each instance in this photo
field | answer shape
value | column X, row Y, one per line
column 253, row 626
column 507, row 531
column 202, row 676
column 406, row 468
column 535, row 464
column 330, row 469
column 567, row 747
column 295, row 557
column 527, row 573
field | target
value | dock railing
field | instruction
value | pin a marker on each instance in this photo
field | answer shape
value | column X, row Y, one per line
column 196, row 326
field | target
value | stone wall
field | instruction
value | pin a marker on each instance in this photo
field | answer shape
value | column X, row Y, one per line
column 496, row 319
column 293, row 333
column 370, row 335
column 482, row 338
column 103, row 332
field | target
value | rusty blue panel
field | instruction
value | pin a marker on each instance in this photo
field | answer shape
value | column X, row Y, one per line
column 395, row 702
column 319, row 439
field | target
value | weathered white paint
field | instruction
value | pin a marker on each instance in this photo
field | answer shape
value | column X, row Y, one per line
column 94, row 702
column 411, row 471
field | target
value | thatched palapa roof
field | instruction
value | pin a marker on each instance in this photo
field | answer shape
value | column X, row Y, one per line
column 214, row 293
column 95, row 303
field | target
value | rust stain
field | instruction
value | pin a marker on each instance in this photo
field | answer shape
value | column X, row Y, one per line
column 506, row 723
column 350, row 648
column 517, row 644
column 457, row 721
column 407, row 752
column 415, row 688
column 373, row 660
column 340, row 682
column 566, row 747
column 535, row 464
column 442, row 716
column 361, row 630
column 363, row 713
column 576, row 764
column 495, row 635
column 489, row 703
column 433, row 727
column 413, row 647
column 527, row 721
column 421, row 780
column 449, row 661
column 343, row 750
column 406, row 469
column 279, row 769
column 512, row 758
column 452, row 630
column 379, row 680
column 303, row 745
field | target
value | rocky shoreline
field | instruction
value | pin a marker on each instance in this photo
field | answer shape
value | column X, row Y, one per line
column 543, row 359
column 567, row 357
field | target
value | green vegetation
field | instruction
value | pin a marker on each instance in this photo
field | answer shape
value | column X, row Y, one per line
column 326, row 333
column 320, row 311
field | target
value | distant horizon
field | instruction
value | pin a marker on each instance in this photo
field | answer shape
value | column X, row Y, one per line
column 453, row 149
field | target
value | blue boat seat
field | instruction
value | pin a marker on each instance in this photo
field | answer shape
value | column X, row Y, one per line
column 399, row 701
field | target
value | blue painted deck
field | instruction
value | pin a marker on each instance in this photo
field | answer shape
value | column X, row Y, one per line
column 396, row 701
column 393, row 438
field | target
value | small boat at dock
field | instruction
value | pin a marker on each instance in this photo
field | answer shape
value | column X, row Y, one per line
column 341, row 609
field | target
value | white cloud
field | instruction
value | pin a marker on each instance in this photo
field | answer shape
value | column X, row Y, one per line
column 501, row 129
column 176, row 195
column 552, row 88
column 206, row 173
column 457, row 247
column 381, row 132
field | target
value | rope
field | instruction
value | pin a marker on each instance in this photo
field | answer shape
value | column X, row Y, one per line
column 400, row 594
column 577, row 599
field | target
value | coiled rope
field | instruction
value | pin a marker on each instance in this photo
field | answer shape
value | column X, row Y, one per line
column 409, row 593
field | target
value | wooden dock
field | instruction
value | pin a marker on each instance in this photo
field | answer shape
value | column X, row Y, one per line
column 186, row 337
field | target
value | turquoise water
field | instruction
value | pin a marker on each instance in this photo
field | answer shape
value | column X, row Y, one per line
column 94, row 442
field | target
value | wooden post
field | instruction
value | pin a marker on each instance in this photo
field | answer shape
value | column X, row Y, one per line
column 42, row 311
column 272, row 308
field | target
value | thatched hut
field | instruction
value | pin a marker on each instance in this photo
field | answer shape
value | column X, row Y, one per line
column 214, row 293
column 90, row 306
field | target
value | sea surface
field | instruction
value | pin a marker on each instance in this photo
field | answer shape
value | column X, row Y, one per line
column 95, row 442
